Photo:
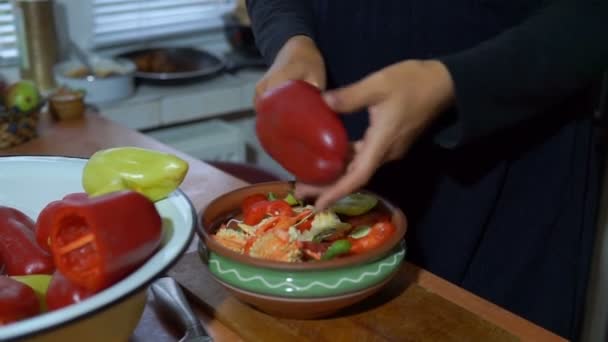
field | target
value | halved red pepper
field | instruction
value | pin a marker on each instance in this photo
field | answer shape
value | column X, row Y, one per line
column 97, row 241
column 301, row 132
column 42, row 227
column 62, row 292
column 17, row 301
column 19, row 251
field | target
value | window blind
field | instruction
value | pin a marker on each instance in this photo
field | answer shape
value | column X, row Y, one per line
column 8, row 34
column 123, row 21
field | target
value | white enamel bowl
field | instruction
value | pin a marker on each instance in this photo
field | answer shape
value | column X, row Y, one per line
column 29, row 183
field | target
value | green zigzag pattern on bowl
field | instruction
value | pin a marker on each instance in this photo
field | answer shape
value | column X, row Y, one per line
column 306, row 284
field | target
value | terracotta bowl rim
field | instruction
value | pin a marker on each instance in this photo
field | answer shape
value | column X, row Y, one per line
column 398, row 218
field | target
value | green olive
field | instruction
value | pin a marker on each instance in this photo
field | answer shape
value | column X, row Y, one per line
column 355, row 204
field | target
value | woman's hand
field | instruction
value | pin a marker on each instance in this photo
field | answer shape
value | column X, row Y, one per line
column 402, row 99
column 298, row 59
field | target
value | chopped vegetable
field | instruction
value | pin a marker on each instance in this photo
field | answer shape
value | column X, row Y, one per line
column 291, row 199
column 284, row 229
column 325, row 223
column 337, row 248
column 360, row 232
column 378, row 234
column 355, row 204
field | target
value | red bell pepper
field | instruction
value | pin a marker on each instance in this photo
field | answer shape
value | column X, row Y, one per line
column 42, row 227
column 17, row 301
column 18, row 248
column 299, row 130
column 97, row 241
column 16, row 214
column 62, row 292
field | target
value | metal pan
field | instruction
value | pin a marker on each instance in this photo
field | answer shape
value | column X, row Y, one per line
column 171, row 65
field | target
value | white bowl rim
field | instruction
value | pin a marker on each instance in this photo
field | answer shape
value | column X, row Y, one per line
column 118, row 292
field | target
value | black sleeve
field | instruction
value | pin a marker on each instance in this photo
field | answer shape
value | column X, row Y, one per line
column 526, row 70
column 275, row 21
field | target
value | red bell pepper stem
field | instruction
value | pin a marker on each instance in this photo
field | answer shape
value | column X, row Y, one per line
column 17, row 301
column 97, row 241
column 18, row 248
column 62, row 292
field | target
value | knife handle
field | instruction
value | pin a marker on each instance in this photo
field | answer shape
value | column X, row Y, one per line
column 169, row 294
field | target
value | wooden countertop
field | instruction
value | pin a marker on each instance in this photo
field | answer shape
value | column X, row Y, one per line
column 416, row 305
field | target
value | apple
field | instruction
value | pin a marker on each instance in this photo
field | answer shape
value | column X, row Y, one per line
column 22, row 95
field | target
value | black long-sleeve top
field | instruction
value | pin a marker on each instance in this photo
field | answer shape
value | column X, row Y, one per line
column 501, row 194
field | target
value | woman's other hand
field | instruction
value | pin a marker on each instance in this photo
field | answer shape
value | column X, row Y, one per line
column 402, row 99
column 298, row 59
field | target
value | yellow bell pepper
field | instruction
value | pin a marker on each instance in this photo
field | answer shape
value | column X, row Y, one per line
column 154, row 174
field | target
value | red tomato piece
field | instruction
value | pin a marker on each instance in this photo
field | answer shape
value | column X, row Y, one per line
column 378, row 234
column 18, row 248
column 62, row 292
column 17, row 301
column 299, row 130
column 250, row 200
column 279, row 208
column 97, row 241
column 305, row 225
column 256, row 213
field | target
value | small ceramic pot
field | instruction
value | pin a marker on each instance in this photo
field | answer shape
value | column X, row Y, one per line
column 296, row 290
column 67, row 105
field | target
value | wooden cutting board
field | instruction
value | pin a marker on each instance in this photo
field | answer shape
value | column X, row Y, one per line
column 403, row 311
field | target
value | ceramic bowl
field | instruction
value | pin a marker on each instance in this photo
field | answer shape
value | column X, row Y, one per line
column 296, row 290
column 29, row 183
column 114, row 79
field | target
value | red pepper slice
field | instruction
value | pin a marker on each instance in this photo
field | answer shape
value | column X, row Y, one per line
column 378, row 234
column 17, row 301
column 42, row 227
column 18, row 248
column 299, row 130
column 62, row 292
column 97, row 241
